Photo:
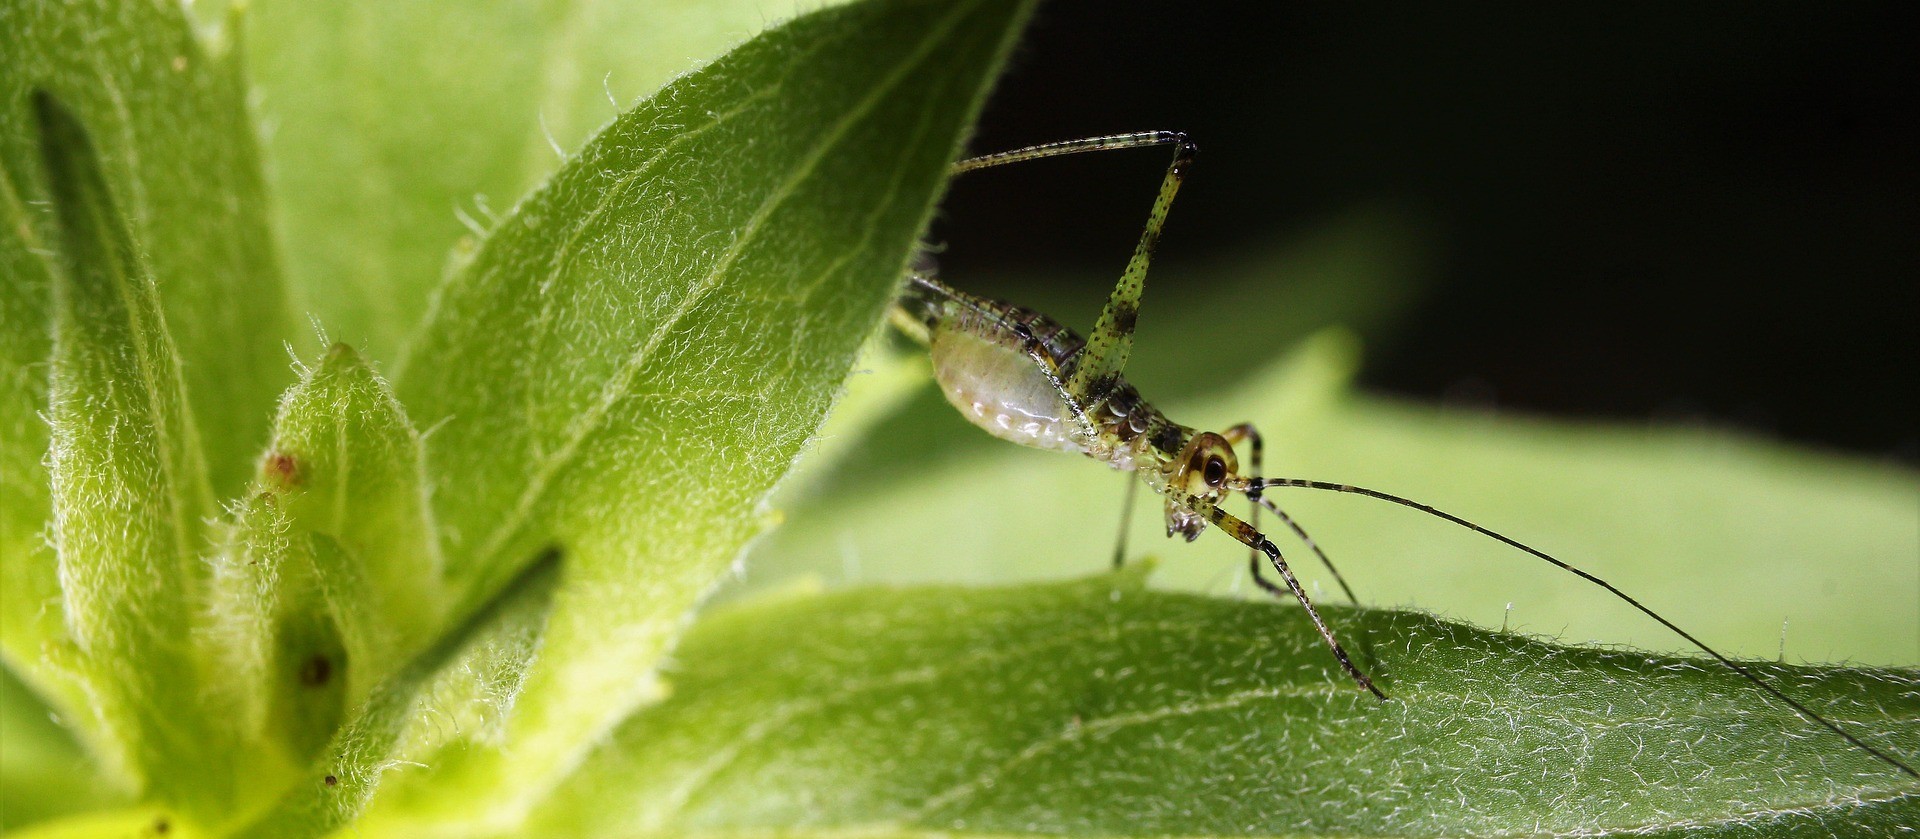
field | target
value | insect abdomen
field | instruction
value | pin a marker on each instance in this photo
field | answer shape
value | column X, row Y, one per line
column 1002, row 390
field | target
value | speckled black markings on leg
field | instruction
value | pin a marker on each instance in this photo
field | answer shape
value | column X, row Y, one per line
column 1258, row 541
column 1257, row 449
column 1273, row 554
column 1111, row 343
column 1098, row 389
column 1307, row 540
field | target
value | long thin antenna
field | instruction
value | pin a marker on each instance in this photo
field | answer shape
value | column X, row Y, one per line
column 1258, row 484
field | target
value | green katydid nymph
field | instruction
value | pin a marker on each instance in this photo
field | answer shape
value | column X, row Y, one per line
column 1025, row 378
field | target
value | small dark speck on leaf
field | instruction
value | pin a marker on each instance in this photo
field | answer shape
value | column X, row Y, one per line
column 331, row 781
column 161, row 825
column 317, row 670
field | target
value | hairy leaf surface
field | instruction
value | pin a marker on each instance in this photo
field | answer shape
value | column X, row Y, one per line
column 347, row 462
column 1096, row 708
column 333, row 575
column 337, row 787
column 639, row 351
column 129, row 487
column 164, row 113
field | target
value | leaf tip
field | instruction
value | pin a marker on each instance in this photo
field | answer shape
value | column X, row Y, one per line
column 342, row 354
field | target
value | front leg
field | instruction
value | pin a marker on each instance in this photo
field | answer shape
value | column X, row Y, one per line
column 1258, row 541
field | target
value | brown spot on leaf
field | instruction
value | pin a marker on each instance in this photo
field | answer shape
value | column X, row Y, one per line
column 281, row 470
column 330, row 781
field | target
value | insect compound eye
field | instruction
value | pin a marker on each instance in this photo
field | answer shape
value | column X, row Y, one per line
column 1215, row 472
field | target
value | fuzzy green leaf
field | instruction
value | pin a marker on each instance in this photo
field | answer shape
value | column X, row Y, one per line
column 166, row 110
column 1095, row 708
column 333, row 578
column 637, row 354
column 275, row 640
column 166, row 115
column 129, row 487
column 348, row 463
column 400, row 129
column 346, row 776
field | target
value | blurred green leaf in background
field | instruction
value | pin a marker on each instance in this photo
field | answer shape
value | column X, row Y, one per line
column 583, row 281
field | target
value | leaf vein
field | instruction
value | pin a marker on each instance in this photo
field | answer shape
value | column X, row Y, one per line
column 701, row 776
column 591, row 420
column 1074, row 731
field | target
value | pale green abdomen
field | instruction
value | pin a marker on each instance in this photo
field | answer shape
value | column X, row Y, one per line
column 1000, row 389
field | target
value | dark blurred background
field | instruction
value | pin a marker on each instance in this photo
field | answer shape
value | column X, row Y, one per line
column 1646, row 212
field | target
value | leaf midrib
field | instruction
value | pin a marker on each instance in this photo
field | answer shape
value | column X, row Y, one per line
column 592, row 420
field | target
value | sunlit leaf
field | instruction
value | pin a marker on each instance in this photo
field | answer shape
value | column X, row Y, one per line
column 166, row 116
column 636, row 355
column 129, row 486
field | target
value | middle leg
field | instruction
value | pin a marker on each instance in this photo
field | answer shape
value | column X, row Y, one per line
column 1245, row 432
column 1126, row 523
